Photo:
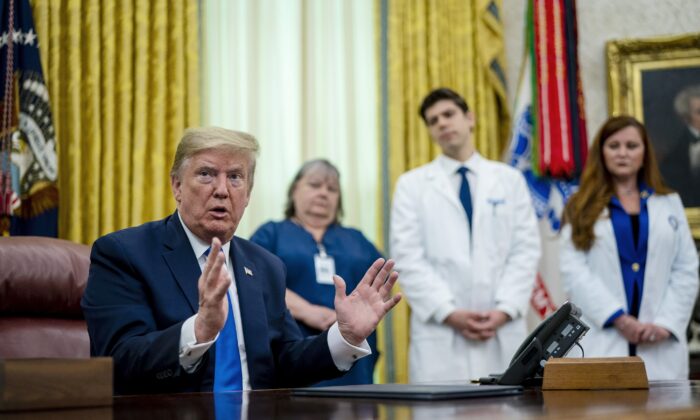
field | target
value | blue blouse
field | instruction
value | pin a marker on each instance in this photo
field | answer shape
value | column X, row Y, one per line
column 353, row 254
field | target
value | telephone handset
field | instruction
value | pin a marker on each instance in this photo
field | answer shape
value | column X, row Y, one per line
column 553, row 337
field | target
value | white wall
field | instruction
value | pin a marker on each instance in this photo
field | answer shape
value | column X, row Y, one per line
column 598, row 22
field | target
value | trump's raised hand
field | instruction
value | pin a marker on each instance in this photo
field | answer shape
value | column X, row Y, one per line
column 213, row 285
column 359, row 312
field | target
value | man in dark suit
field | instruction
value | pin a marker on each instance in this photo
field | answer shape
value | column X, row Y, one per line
column 182, row 305
column 681, row 166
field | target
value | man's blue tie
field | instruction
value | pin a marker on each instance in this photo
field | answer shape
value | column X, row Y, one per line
column 465, row 195
column 227, row 367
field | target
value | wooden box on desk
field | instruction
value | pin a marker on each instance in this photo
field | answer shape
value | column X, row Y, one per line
column 595, row 373
column 31, row 384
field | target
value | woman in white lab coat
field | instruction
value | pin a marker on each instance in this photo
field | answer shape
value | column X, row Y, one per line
column 628, row 259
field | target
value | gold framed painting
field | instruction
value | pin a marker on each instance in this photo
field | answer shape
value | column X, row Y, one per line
column 657, row 80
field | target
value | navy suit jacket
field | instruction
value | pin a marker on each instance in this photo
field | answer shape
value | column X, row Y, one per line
column 142, row 286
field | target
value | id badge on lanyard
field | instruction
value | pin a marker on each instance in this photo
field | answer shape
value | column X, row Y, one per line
column 325, row 266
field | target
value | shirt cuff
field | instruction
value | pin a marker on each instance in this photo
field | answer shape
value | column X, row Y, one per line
column 443, row 312
column 191, row 352
column 613, row 317
column 667, row 328
column 343, row 353
column 512, row 312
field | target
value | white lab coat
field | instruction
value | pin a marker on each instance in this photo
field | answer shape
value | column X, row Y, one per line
column 438, row 272
column 593, row 281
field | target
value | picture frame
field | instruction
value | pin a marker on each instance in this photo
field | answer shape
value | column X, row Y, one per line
column 645, row 76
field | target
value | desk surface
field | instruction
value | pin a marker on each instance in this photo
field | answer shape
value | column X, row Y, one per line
column 672, row 399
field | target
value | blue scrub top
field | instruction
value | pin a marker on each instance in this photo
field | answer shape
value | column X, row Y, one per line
column 353, row 254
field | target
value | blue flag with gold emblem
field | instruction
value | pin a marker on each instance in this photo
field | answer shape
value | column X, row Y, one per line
column 28, row 164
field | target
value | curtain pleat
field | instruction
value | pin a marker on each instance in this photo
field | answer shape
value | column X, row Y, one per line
column 109, row 87
column 123, row 105
column 123, row 79
column 431, row 44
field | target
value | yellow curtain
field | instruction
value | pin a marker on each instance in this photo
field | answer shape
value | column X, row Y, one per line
column 123, row 82
column 430, row 44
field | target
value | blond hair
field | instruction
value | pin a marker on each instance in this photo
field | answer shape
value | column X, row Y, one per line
column 196, row 140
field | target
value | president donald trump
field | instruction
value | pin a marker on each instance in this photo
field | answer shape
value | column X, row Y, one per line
column 182, row 305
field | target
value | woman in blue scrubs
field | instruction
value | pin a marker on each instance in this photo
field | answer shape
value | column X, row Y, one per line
column 314, row 246
column 627, row 254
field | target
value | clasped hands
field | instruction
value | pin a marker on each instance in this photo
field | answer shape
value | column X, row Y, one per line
column 477, row 325
column 357, row 314
column 639, row 333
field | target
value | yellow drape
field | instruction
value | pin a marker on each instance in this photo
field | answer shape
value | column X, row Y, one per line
column 123, row 82
column 430, row 44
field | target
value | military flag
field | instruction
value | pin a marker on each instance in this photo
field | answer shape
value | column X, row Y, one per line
column 548, row 144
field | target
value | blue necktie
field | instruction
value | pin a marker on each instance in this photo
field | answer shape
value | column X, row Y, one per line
column 227, row 367
column 465, row 195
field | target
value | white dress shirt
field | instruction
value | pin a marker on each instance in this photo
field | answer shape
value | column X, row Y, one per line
column 694, row 152
column 343, row 353
column 450, row 167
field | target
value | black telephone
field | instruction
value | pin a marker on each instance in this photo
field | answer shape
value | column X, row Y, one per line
column 554, row 337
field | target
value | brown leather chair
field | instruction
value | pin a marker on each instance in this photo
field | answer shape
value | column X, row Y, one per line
column 41, row 283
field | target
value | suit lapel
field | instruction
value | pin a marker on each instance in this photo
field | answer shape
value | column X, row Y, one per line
column 485, row 188
column 437, row 179
column 659, row 254
column 608, row 243
column 182, row 261
column 250, row 301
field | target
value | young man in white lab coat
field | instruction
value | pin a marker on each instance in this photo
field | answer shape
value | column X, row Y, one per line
column 467, row 251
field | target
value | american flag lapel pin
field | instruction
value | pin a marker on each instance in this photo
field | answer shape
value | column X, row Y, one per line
column 248, row 271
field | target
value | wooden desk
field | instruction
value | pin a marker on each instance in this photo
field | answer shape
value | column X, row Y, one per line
column 676, row 399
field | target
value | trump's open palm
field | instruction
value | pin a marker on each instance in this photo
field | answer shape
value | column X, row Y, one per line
column 359, row 312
